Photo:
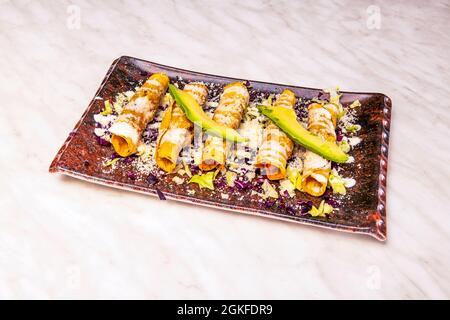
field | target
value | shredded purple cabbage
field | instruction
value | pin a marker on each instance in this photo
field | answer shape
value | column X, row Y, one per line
column 301, row 110
column 259, row 180
column 214, row 91
column 103, row 142
column 114, row 155
column 220, row 183
column 301, row 113
column 305, row 206
column 241, row 185
column 281, row 204
column 291, row 210
column 244, row 171
column 150, row 135
column 339, row 134
column 160, row 194
column 332, row 202
column 253, row 94
column 129, row 159
column 269, row 203
column 132, row 175
column 152, row 179
column 194, row 169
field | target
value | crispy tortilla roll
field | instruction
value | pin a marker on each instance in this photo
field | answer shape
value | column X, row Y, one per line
column 139, row 111
column 233, row 101
column 276, row 148
column 175, row 131
column 316, row 170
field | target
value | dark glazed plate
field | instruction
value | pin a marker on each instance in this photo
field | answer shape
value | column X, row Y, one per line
column 362, row 211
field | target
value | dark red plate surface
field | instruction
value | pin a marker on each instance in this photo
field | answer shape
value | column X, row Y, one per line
column 362, row 210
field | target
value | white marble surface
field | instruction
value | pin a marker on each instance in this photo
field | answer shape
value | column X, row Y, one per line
column 63, row 238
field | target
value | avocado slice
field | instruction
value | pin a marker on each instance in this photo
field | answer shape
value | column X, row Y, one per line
column 286, row 120
column 196, row 115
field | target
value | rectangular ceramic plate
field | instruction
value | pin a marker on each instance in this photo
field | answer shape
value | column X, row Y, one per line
column 363, row 210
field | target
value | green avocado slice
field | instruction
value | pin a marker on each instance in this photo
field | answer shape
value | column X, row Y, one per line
column 196, row 115
column 286, row 120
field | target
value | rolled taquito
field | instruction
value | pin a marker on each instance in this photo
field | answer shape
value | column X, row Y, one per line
column 175, row 131
column 232, row 104
column 316, row 170
column 138, row 112
column 276, row 148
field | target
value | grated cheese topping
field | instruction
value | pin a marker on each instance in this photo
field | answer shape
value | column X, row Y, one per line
column 241, row 157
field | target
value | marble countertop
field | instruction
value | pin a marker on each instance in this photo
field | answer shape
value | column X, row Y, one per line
column 64, row 238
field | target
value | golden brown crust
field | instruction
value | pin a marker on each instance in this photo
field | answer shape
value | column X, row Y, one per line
column 232, row 103
column 175, row 131
column 321, row 121
column 139, row 111
column 276, row 148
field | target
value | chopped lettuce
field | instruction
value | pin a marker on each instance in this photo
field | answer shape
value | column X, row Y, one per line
column 353, row 128
column 204, row 180
column 322, row 210
column 269, row 190
column 336, row 182
column 293, row 174
column 108, row 109
column 344, row 145
column 287, row 185
column 110, row 162
column 355, row 104
column 230, row 176
column 187, row 169
column 334, row 99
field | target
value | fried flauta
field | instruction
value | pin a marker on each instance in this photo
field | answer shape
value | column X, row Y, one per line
column 276, row 148
column 176, row 130
column 139, row 111
column 316, row 170
column 233, row 101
